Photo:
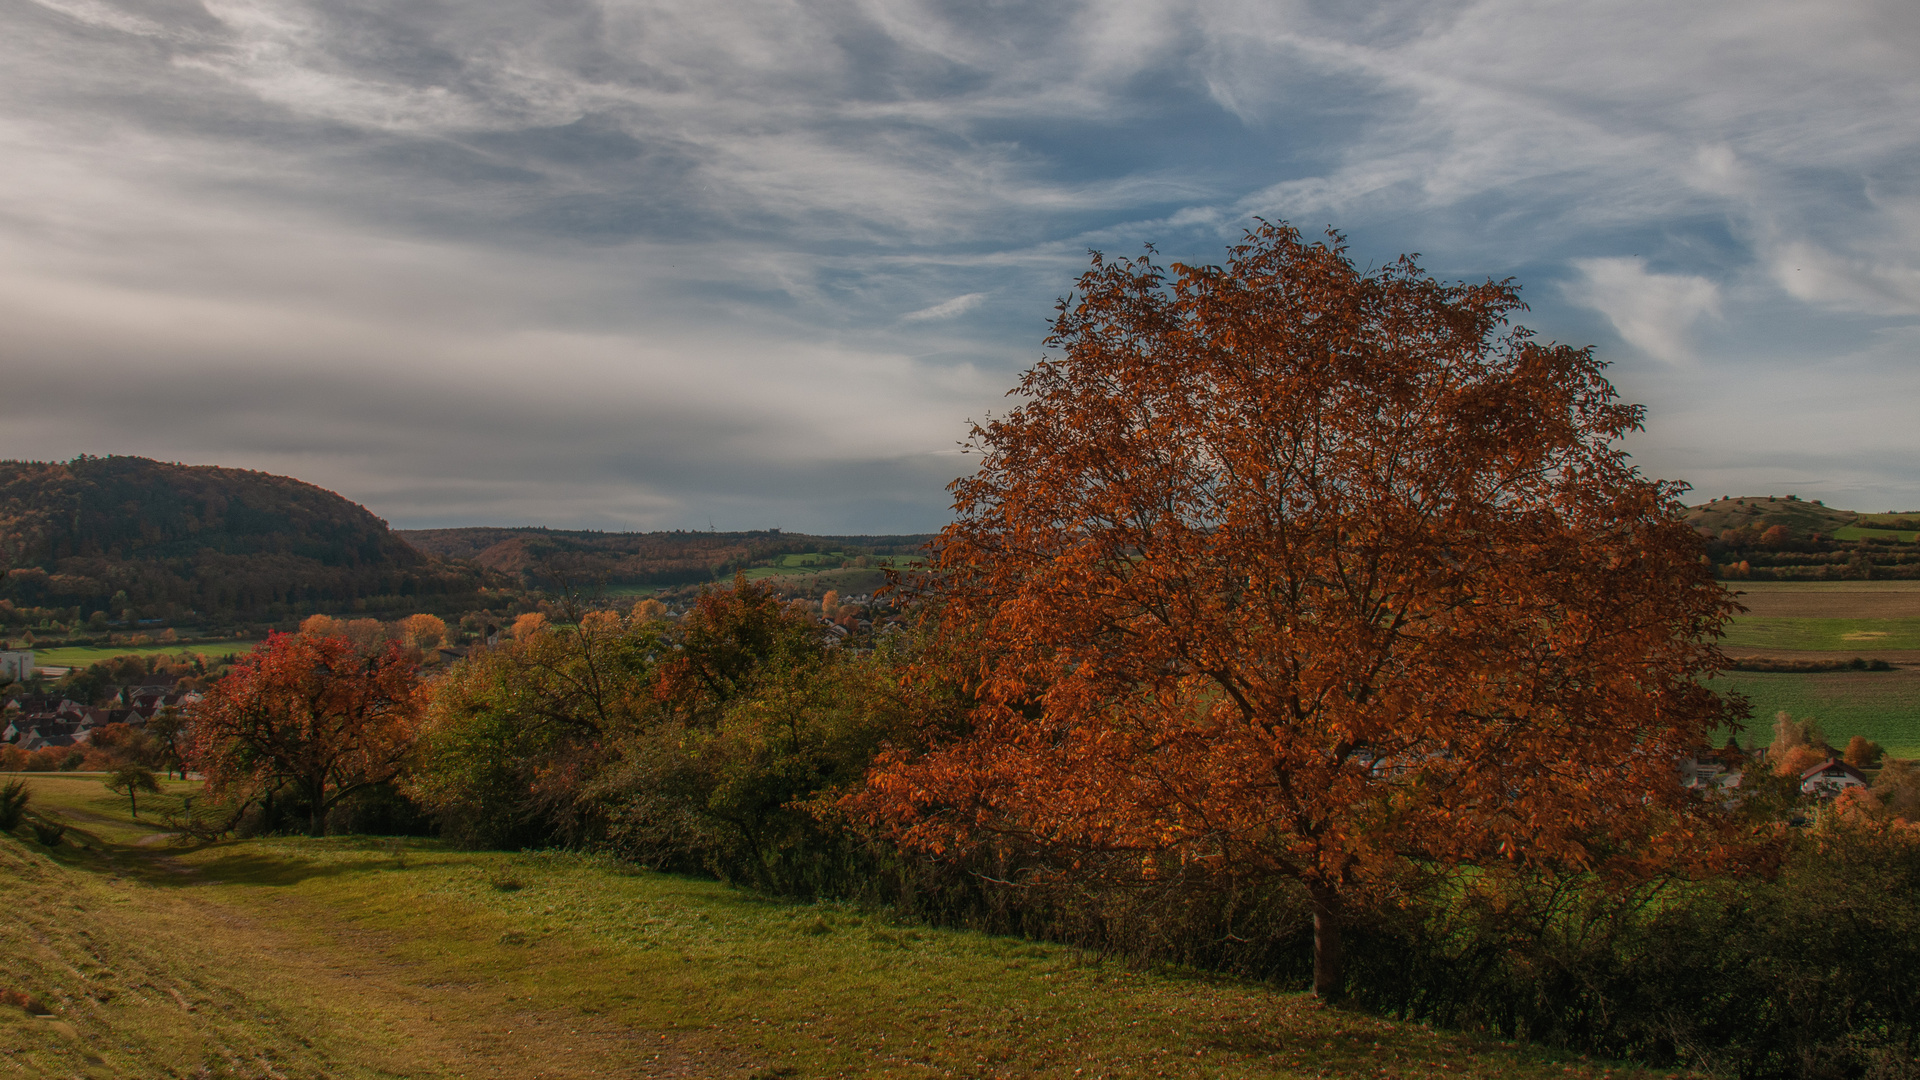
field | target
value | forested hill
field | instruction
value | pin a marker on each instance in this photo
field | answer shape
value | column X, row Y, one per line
column 126, row 532
column 654, row 558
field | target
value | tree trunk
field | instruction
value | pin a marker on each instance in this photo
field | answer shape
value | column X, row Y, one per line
column 317, row 809
column 1329, row 959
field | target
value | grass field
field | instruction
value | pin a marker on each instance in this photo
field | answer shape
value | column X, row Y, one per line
column 1828, row 620
column 814, row 561
column 632, row 590
column 848, row 582
column 1830, row 599
column 1868, row 532
column 1822, row 635
column 82, row 655
column 356, row 957
column 1882, row 705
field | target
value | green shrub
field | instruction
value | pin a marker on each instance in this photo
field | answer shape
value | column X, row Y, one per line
column 1807, row 974
column 14, row 797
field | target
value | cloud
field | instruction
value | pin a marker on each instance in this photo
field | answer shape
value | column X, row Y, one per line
column 640, row 262
column 946, row 309
column 1878, row 282
column 1653, row 312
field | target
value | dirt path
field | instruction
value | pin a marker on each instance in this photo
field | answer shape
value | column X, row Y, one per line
column 410, row 1024
column 395, row 1015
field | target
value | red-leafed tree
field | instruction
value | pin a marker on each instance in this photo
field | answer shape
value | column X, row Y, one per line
column 311, row 713
column 1287, row 568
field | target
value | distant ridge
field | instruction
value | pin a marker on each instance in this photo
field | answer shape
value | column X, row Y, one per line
column 110, row 533
column 639, row 558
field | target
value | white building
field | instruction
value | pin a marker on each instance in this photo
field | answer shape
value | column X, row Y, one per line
column 16, row 665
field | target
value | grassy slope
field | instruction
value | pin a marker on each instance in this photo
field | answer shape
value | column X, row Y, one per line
column 362, row 958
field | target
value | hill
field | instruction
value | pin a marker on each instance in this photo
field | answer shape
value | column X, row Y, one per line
column 1802, row 520
column 116, row 533
column 1782, row 538
column 547, row 557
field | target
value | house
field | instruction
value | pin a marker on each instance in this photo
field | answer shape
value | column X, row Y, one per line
column 144, row 703
column 33, row 706
column 1710, row 768
column 31, row 730
column 1829, row 778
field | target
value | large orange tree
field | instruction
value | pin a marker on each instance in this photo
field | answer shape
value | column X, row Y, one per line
column 1294, row 569
column 312, row 713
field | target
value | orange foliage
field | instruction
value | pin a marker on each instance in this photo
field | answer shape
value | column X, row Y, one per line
column 1861, row 752
column 423, row 631
column 369, row 635
column 1898, row 789
column 1857, row 802
column 1799, row 759
column 526, row 626
column 117, row 744
column 316, row 714
column 1287, row 569
column 52, row 758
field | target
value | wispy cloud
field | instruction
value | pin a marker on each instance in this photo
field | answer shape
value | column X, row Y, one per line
column 946, row 309
column 1654, row 312
column 656, row 252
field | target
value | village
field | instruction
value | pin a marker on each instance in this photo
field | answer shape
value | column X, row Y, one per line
column 44, row 733
column 1721, row 770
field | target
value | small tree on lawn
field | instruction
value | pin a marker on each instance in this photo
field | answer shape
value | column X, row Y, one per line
column 129, row 779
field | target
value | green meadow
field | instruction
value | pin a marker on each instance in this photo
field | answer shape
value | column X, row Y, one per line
column 82, row 655
column 1883, row 706
column 356, row 957
column 1868, row 532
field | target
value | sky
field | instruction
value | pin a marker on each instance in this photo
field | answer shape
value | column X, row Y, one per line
column 756, row 264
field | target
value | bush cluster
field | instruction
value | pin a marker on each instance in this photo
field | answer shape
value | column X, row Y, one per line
column 722, row 745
